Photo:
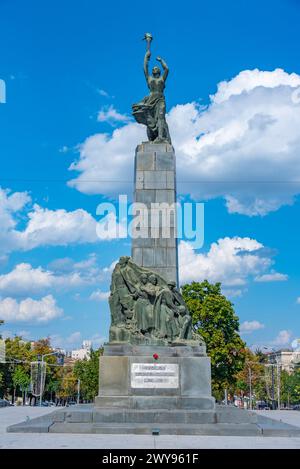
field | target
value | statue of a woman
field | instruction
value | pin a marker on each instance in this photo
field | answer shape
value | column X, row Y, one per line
column 143, row 314
column 151, row 111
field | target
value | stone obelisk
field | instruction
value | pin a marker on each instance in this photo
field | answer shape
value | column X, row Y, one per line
column 155, row 179
column 155, row 183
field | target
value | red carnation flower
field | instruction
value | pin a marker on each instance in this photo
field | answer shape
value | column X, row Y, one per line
column 155, row 356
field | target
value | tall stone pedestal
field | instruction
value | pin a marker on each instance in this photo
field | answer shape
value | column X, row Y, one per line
column 155, row 182
column 130, row 378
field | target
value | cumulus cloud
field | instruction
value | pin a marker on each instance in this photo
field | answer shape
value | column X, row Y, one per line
column 110, row 115
column 71, row 341
column 88, row 266
column 248, row 80
column 233, row 292
column 283, row 338
column 99, row 295
column 98, row 340
column 29, row 310
column 229, row 260
column 74, row 340
column 24, row 279
column 272, row 277
column 106, row 161
column 57, row 227
column 243, row 146
column 250, row 326
column 11, row 206
column 45, row 227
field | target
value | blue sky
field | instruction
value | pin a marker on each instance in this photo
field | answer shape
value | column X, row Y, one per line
column 72, row 70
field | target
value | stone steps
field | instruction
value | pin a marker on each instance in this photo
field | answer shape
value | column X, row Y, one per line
column 162, row 428
column 221, row 421
column 142, row 416
column 154, row 416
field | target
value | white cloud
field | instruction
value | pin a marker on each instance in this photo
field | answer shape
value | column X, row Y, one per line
column 99, row 295
column 88, row 266
column 74, row 340
column 271, row 277
column 11, row 204
column 57, row 227
column 71, row 341
column 103, row 93
column 229, row 260
column 98, row 340
column 7, row 334
column 112, row 116
column 283, row 338
column 24, row 280
column 233, row 292
column 248, row 80
column 45, row 227
column 42, row 226
column 244, row 146
column 30, row 310
column 249, row 326
column 64, row 149
column 106, row 162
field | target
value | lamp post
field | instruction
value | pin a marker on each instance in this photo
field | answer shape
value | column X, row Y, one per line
column 41, row 380
column 78, row 391
column 250, row 386
column 273, row 379
column 273, row 392
column 278, row 383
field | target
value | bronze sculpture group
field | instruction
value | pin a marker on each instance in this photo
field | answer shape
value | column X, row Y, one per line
column 146, row 309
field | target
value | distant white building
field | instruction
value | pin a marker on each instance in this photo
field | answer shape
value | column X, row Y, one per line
column 287, row 360
column 83, row 352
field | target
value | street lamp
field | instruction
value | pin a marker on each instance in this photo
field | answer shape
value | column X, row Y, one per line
column 41, row 380
column 273, row 379
column 250, row 386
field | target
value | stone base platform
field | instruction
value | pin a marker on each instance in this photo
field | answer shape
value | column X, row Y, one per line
column 222, row 421
column 131, row 378
column 170, row 395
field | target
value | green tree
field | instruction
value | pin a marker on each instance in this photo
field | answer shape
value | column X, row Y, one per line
column 253, row 369
column 290, row 387
column 21, row 379
column 17, row 355
column 215, row 320
column 67, row 383
column 287, row 387
column 88, row 373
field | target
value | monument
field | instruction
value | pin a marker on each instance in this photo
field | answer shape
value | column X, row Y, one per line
column 155, row 177
column 155, row 376
column 154, row 359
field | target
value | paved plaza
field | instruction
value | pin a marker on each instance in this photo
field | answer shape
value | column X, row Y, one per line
column 12, row 415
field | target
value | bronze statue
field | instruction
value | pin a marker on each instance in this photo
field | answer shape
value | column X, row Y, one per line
column 145, row 309
column 151, row 111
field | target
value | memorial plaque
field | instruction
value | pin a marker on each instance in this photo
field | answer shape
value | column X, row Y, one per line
column 154, row 375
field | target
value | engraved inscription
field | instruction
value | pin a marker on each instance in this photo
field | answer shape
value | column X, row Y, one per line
column 154, row 375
